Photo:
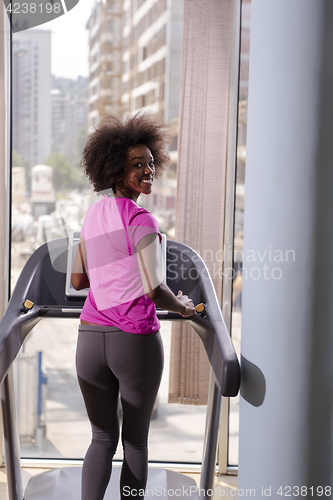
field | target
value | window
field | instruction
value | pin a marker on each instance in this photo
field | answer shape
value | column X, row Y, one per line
column 60, row 428
column 239, row 216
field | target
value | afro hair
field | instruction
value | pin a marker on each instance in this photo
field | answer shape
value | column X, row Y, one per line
column 106, row 152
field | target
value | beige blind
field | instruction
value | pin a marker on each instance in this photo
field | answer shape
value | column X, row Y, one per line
column 201, row 172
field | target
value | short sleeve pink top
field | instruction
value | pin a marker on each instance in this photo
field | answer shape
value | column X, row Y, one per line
column 112, row 229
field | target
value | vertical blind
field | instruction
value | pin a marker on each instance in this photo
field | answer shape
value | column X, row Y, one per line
column 201, row 173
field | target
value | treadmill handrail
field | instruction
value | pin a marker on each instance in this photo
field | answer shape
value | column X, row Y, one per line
column 212, row 330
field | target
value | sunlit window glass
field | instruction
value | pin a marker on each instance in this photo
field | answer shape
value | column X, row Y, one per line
column 239, row 216
column 101, row 58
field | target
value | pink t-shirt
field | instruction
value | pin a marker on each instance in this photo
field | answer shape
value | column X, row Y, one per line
column 112, row 229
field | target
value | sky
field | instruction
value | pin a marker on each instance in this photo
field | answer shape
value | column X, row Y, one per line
column 69, row 41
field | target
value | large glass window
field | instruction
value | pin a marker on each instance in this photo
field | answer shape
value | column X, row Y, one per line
column 236, row 316
column 67, row 75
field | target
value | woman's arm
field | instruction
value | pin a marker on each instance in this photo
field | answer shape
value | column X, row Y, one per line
column 150, row 265
column 80, row 277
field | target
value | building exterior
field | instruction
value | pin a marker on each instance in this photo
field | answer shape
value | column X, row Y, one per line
column 146, row 36
column 31, row 95
column 58, row 121
column 105, row 47
column 69, row 115
column 19, row 186
column 152, row 46
column 42, row 192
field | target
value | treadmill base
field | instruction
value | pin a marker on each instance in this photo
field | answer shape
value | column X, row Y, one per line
column 65, row 484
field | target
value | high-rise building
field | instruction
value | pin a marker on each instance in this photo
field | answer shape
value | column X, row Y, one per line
column 69, row 115
column 105, row 47
column 31, row 95
column 152, row 47
column 138, row 42
column 58, row 101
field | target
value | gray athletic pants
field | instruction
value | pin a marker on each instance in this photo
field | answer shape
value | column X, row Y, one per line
column 109, row 360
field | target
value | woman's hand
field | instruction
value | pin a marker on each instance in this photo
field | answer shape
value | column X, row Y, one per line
column 188, row 303
column 151, row 270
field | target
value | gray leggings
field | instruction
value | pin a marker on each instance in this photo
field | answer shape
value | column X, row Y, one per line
column 109, row 360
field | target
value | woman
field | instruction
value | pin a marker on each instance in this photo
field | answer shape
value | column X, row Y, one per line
column 119, row 258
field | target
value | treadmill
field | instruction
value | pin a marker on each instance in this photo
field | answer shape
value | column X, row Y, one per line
column 44, row 290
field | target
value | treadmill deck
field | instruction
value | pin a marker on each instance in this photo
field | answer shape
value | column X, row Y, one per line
column 65, row 484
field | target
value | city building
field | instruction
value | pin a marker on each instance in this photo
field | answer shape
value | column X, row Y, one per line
column 152, row 46
column 58, row 121
column 42, row 191
column 19, row 186
column 69, row 115
column 148, row 42
column 105, row 46
column 31, row 95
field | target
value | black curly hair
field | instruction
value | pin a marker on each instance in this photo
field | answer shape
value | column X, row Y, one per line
column 106, row 152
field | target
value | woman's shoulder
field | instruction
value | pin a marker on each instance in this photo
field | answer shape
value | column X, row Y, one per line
column 142, row 216
column 132, row 210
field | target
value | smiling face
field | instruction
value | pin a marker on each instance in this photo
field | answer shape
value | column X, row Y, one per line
column 139, row 173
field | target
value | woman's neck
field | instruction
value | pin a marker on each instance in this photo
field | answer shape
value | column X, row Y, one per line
column 122, row 194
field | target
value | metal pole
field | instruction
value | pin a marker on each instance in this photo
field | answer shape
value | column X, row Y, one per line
column 41, row 381
column 12, row 448
column 5, row 155
column 210, row 444
column 12, row 451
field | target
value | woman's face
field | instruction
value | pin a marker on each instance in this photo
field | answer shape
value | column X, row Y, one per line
column 139, row 173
